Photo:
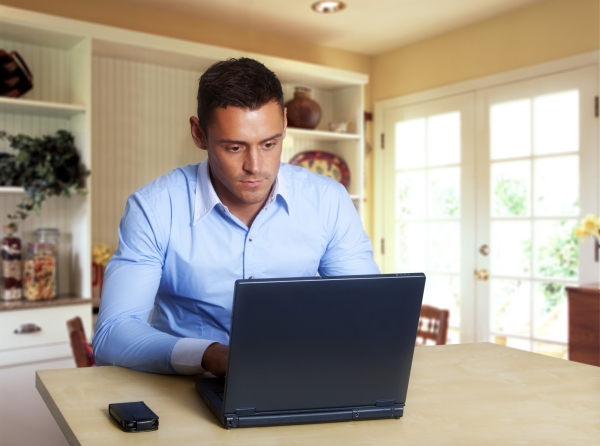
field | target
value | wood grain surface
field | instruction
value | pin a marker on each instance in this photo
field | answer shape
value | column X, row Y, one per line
column 473, row 394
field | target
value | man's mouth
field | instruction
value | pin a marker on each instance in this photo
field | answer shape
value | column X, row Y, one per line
column 251, row 183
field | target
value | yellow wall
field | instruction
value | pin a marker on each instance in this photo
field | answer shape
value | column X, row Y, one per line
column 541, row 32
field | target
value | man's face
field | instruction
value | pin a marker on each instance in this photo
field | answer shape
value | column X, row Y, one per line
column 244, row 150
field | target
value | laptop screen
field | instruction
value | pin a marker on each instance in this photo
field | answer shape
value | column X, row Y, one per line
column 321, row 343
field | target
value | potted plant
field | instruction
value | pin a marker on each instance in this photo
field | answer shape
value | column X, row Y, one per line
column 44, row 166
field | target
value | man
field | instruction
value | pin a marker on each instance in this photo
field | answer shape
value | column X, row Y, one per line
column 241, row 214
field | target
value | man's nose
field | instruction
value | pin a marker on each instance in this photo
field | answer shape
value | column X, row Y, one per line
column 252, row 160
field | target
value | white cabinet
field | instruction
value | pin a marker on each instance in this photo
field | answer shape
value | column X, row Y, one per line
column 49, row 340
column 24, row 418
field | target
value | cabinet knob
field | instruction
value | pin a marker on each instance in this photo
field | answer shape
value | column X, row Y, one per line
column 27, row 328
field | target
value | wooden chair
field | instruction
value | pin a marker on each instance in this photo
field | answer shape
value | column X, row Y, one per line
column 433, row 326
column 82, row 351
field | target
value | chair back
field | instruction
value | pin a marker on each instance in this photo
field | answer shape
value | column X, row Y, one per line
column 433, row 326
column 82, row 352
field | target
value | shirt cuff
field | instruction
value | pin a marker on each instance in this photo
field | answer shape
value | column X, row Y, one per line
column 187, row 354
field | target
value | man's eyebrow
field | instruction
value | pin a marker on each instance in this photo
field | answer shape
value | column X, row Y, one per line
column 233, row 141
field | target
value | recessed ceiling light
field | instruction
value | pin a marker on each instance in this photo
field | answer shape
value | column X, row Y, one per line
column 327, row 7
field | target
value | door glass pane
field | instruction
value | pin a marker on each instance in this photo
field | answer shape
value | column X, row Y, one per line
column 444, row 193
column 521, row 344
column 556, row 249
column 444, row 247
column 511, row 185
column 556, row 350
column 556, row 123
column 410, row 194
column 410, row 255
column 511, row 253
column 443, row 291
column 410, row 144
column 443, row 139
column 510, row 129
column 551, row 310
column 556, row 186
column 510, row 306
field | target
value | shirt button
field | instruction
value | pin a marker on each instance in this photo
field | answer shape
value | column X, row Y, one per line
column 250, row 238
column 251, row 277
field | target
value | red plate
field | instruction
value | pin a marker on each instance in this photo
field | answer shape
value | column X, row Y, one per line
column 324, row 163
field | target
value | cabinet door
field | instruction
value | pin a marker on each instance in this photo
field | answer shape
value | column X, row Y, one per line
column 24, row 417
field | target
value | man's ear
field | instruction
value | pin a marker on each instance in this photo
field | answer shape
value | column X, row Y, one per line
column 198, row 134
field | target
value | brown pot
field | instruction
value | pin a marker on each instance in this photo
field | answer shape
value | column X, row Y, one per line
column 302, row 111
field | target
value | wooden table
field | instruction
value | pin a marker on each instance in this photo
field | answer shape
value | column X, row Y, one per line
column 479, row 394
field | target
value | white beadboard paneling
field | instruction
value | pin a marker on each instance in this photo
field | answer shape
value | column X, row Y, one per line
column 140, row 131
column 51, row 69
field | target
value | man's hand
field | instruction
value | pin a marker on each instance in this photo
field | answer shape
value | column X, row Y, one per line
column 215, row 359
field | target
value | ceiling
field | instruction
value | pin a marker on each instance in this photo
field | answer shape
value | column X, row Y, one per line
column 366, row 26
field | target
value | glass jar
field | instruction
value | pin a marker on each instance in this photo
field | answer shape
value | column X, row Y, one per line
column 39, row 272
column 51, row 236
column 11, row 263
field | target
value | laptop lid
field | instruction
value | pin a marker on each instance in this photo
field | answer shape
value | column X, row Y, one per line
column 306, row 344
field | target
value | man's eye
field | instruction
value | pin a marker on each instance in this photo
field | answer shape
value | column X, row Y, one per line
column 269, row 145
column 234, row 148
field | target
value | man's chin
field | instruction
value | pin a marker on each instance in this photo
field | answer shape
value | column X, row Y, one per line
column 253, row 197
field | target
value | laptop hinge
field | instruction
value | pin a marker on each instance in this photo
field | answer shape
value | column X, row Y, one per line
column 381, row 403
column 245, row 411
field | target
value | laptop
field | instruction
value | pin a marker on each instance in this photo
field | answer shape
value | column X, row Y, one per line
column 317, row 349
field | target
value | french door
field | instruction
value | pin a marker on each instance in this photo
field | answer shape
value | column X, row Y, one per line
column 430, row 202
column 537, row 175
column 482, row 192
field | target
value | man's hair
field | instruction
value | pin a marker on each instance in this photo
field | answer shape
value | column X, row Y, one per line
column 242, row 82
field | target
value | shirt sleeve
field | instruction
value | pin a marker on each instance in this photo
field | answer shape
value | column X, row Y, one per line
column 349, row 251
column 123, row 335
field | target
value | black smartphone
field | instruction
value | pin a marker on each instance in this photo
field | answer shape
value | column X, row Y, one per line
column 133, row 417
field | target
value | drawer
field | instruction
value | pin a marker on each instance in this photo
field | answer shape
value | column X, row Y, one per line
column 30, row 355
column 53, row 323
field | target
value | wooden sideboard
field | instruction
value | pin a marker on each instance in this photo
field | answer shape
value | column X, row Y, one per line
column 584, row 323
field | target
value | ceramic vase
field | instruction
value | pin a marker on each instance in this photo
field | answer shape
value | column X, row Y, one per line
column 302, row 111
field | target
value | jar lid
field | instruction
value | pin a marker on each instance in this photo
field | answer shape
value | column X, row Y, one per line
column 47, row 231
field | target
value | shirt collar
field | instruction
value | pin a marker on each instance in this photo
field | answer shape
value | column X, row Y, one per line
column 207, row 199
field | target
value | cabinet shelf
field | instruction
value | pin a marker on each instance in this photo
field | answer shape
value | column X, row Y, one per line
column 11, row 190
column 321, row 135
column 39, row 108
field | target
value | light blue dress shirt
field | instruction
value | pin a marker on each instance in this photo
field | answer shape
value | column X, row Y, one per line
column 181, row 250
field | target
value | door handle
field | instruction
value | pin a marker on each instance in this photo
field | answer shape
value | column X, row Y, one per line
column 482, row 274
